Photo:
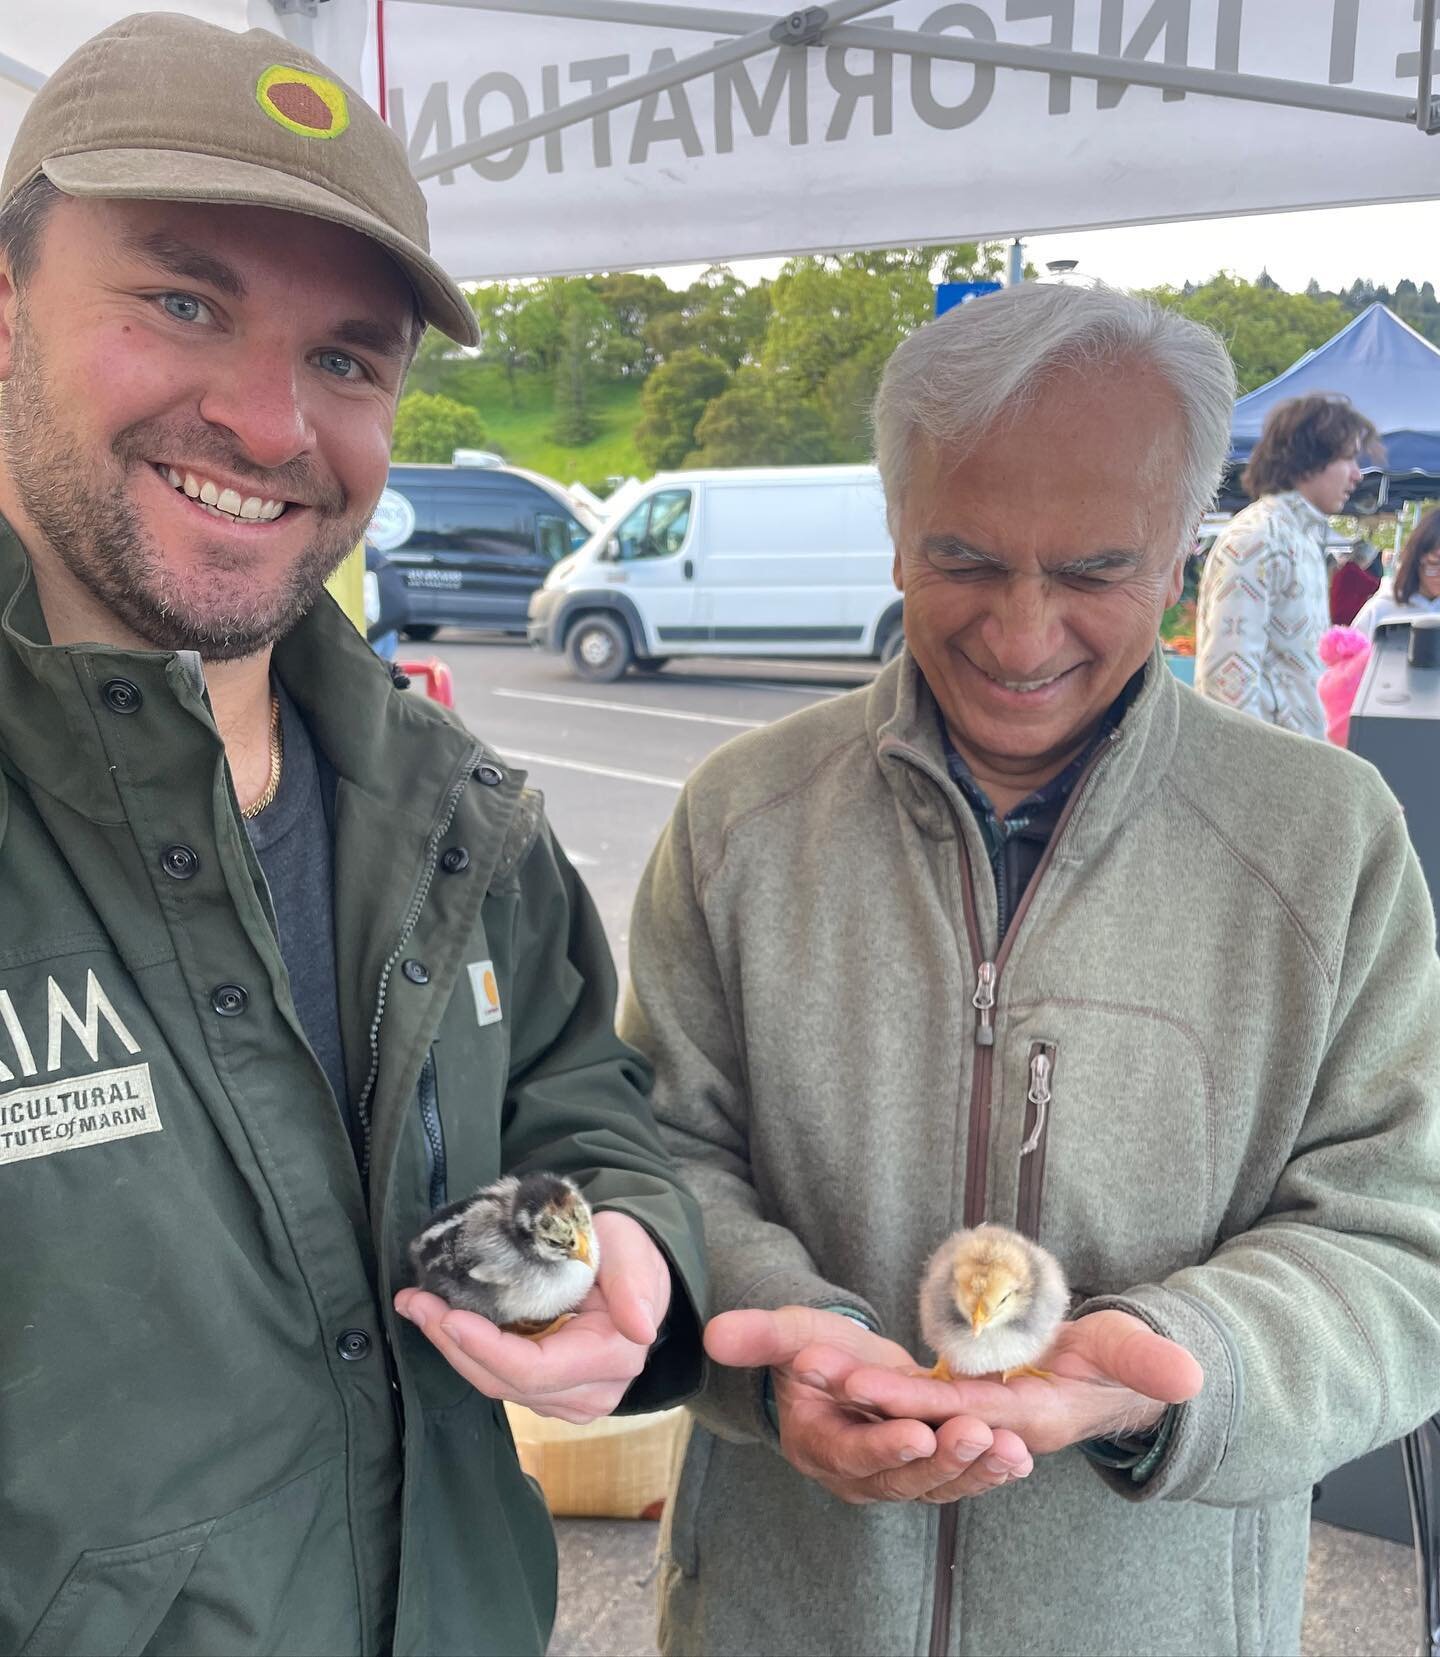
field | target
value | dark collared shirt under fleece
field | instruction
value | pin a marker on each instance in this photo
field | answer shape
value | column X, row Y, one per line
column 1015, row 844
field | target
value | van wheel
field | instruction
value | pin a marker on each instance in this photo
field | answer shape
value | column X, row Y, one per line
column 894, row 643
column 651, row 664
column 599, row 648
column 421, row 635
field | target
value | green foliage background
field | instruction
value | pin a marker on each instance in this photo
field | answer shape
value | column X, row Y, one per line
column 598, row 378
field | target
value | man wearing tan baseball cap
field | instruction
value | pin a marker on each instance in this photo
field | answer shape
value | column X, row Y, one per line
column 288, row 959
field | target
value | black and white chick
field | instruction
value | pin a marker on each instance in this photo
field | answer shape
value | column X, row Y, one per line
column 521, row 1252
column 991, row 1300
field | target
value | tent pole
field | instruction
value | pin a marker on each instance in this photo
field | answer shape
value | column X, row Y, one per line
column 800, row 28
column 21, row 74
column 1425, row 101
column 1045, row 60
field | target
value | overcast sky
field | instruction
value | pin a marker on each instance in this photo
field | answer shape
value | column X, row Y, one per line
column 1335, row 246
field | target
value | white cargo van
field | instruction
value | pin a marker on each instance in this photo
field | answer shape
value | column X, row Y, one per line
column 774, row 561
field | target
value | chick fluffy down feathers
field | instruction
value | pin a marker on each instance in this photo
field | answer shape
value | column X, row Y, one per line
column 482, row 1254
column 984, row 1264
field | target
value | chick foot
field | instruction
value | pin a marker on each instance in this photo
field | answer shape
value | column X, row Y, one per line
column 536, row 1329
column 1027, row 1369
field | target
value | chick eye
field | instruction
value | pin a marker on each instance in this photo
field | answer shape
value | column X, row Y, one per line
column 185, row 307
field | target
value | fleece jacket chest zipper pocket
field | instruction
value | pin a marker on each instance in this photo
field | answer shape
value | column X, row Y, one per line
column 1039, row 1103
column 428, row 1097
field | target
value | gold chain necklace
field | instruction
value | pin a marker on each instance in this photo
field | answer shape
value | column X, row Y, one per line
column 277, row 763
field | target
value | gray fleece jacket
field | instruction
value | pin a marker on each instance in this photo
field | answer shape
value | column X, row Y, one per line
column 1229, row 958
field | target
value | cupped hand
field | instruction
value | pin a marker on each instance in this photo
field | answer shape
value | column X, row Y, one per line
column 1112, row 1374
column 841, row 1445
column 582, row 1371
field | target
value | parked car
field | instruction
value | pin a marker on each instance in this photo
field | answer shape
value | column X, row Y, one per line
column 473, row 542
column 755, row 561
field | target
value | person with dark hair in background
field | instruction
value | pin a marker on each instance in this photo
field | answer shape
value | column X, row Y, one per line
column 1264, row 595
column 1414, row 588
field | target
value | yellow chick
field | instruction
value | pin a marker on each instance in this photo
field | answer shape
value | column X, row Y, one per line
column 991, row 1300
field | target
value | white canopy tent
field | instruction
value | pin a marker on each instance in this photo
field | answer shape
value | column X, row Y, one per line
column 572, row 135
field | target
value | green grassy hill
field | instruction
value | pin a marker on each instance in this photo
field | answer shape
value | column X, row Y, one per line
column 519, row 419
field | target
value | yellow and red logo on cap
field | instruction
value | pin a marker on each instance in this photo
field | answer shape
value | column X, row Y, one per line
column 307, row 104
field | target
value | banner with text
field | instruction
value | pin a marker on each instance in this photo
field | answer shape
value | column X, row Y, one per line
column 802, row 148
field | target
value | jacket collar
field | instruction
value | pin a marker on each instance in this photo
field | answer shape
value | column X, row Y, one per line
column 903, row 721
column 394, row 748
column 1308, row 518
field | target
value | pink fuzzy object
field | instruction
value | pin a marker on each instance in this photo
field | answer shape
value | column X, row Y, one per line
column 1337, row 644
column 1345, row 650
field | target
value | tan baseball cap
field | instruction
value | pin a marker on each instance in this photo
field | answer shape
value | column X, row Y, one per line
column 165, row 108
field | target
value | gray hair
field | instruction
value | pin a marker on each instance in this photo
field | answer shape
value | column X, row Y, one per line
column 958, row 377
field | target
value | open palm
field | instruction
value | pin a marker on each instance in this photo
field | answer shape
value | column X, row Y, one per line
column 1111, row 1374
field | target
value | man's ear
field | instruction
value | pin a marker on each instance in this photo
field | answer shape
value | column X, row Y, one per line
column 1176, row 583
column 895, row 573
column 9, row 308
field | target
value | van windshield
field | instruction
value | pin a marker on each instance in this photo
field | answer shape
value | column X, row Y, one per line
column 657, row 527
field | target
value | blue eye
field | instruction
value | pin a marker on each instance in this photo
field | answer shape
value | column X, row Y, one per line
column 340, row 365
column 184, row 307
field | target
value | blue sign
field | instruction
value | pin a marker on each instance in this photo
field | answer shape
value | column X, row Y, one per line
column 950, row 294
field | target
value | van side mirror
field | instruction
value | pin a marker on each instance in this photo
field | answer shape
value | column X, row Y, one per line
column 612, row 550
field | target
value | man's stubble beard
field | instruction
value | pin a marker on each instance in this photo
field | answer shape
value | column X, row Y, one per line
column 101, row 539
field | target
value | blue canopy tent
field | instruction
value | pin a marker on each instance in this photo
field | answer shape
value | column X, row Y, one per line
column 1391, row 374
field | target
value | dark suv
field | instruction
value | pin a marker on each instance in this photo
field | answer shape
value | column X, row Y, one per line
column 483, row 540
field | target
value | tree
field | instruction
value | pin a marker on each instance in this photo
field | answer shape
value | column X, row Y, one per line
column 760, row 422
column 1265, row 328
column 634, row 302
column 574, row 424
column 717, row 315
column 674, row 398
column 430, row 428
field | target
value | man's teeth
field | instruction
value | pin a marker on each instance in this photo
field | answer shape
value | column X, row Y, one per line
column 227, row 501
column 1028, row 684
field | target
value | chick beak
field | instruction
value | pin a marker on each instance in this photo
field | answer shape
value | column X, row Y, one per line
column 581, row 1248
column 979, row 1318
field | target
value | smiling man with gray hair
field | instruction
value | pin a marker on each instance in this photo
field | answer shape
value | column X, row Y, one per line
column 1027, row 932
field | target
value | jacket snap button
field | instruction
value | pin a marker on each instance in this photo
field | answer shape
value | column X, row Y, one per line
column 416, row 971
column 490, row 775
column 229, row 1000
column 180, row 862
column 353, row 1345
column 121, row 696
column 454, row 860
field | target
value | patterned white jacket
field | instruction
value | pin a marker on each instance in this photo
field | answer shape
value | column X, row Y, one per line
column 1264, row 602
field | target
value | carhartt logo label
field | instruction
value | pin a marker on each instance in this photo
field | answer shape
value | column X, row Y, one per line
column 487, row 991
column 66, row 1116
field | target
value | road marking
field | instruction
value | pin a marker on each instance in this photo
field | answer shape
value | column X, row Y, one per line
column 630, row 707
column 594, row 770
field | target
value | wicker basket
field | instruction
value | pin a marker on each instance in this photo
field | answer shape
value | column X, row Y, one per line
column 617, row 1468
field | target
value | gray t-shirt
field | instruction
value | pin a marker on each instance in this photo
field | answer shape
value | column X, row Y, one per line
column 292, row 840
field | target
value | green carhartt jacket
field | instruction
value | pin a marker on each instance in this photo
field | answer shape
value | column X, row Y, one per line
column 215, row 1435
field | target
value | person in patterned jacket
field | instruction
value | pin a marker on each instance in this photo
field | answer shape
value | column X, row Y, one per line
column 1264, row 596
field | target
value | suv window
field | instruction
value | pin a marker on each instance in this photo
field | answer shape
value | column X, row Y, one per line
column 656, row 528
column 556, row 537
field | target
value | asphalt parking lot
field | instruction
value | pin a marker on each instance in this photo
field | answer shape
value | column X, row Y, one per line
column 610, row 760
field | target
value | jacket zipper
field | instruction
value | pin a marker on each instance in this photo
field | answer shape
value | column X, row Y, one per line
column 987, row 980
column 434, row 1132
column 448, row 808
column 1038, row 1097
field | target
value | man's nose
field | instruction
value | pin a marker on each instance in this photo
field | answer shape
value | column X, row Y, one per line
column 1024, row 631
column 259, row 402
